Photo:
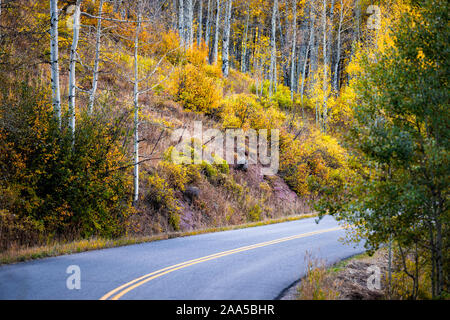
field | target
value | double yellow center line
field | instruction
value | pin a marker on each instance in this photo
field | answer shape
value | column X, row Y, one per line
column 133, row 284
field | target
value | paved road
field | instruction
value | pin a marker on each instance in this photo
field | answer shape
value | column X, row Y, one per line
column 253, row 263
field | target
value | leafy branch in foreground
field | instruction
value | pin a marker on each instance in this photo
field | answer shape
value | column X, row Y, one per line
column 400, row 134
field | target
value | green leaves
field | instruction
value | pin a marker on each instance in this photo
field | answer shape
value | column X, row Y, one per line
column 401, row 136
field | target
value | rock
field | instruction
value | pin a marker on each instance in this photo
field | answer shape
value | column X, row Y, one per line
column 242, row 165
column 192, row 192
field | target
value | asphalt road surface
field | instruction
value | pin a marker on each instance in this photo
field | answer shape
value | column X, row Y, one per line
column 254, row 263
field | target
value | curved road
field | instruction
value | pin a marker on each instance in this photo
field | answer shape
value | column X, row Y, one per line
column 254, row 263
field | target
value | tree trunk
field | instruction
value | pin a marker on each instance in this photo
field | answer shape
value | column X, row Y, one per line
column 136, row 112
column 330, row 39
column 309, row 51
column 208, row 25
column 301, row 50
column 273, row 51
column 338, row 50
column 294, row 44
column 181, row 22
column 226, row 40
column 200, row 23
column 54, row 60
column 190, row 24
column 325, row 67
column 439, row 258
column 284, row 50
column 244, row 43
column 174, row 15
column 97, row 58
column 314, row 68
column 72, row 68
column 215, row 50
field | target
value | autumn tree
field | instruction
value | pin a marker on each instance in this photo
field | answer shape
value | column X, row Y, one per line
column 401, row 130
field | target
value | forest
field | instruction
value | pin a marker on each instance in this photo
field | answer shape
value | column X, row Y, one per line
column 92, row 93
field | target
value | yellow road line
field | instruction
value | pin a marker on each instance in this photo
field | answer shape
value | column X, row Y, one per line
column 127, row 287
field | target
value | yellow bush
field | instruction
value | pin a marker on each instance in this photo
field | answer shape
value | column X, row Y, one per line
column 254, row 214
column 176, row 174
column 196, row 84
column 232, row 187
column 161, row 196
column 197, row 55
column 245, row 111
column 313, row 165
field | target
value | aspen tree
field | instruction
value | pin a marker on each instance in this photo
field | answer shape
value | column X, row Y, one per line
column 200, row 22
column 226, row 39
column 97, row 58
column 190, row 23
column 181, row 22
column 72, row 68
column 54, row 60
column 273, row 47
column 215, row 50
column 244, row 43
column 208, row 24
column 136, row 106
column 294, row 44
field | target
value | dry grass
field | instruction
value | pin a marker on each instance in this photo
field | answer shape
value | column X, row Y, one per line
column 346, row 280
column 14, row 255
column 318, row 284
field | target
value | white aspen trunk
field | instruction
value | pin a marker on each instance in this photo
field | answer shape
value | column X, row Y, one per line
column 190, row 23
column 200, row 23
column 256, row 68
column 314, row 68
column 325, row 65
column 136, row 112
column 72, row 68
column 338, row 53
column 208, row 25
column 284, row 50
column 97, row 58
column 275, row 76
column 330, row 39
column 216, row 35
column 226, row 40
column 244, row 43
column 308, row 50
column 54, row 60
column 294, row 44
column 256, row 51
column 181, row 22
column 273, row 51
column 302, row 47
column 174, row 16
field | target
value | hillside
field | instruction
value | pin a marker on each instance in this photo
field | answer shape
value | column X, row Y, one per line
column 141, row 118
